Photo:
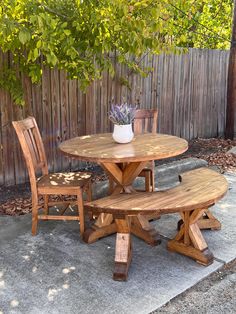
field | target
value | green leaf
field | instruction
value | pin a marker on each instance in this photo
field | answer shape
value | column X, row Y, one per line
column 24, row 36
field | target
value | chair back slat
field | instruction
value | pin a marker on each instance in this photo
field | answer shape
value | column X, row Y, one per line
column 32, row 146
column 145, row 121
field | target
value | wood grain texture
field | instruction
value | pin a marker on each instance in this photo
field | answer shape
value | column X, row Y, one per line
column 189, row 240
column 144, row 147
column 48, row 184
column 189, row 91
column 199, row 188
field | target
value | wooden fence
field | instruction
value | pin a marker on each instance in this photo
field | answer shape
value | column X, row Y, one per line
column 189, row 91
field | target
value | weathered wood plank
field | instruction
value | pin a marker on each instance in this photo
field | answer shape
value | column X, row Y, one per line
column 64, row 114
column 189, row 91
column 56, row 119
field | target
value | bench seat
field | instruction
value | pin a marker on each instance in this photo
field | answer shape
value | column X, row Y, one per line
column 198, row 190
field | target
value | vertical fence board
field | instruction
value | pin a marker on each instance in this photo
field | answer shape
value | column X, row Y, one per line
column 7, row 134
column 188, row 89
column 56, row 118
column 64, row 116
column 47, row 119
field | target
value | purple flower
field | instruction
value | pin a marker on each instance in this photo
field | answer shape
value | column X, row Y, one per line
column 122, row 114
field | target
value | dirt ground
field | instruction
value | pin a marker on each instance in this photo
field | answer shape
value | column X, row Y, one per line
column 215, row 294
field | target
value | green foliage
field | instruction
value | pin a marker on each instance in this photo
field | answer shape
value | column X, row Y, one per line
column 202, row 24
column 85, row 37
column 10, row 82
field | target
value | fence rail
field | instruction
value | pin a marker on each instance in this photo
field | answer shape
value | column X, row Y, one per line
column 189, row 91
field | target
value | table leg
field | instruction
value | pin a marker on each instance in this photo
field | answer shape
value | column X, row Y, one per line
column 123, row 253
column 141, row 227
column 189, row 240
column 95, row 233
column 123, row 175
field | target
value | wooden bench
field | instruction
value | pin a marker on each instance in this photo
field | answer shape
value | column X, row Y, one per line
column 198, row 190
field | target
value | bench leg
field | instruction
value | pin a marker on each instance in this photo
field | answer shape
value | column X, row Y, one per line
column 209, row 221
column 189, row 240
column 123, row 253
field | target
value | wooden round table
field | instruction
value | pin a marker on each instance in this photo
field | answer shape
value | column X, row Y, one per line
column 123, row 163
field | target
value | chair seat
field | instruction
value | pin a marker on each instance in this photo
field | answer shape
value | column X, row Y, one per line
column 60, row 179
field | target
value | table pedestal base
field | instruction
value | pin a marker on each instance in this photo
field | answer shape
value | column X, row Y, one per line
column 95, row 233
column 123, row 255
column 140, row 227
column 144, row 230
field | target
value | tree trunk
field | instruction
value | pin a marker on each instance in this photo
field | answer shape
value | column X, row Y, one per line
column 231, row 87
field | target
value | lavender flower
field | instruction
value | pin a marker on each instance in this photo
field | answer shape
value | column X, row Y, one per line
column 122, row 114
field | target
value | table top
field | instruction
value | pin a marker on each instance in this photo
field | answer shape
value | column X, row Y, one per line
column 144, row 147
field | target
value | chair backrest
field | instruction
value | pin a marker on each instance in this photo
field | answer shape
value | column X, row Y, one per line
column 32, row 146
column 145, row 120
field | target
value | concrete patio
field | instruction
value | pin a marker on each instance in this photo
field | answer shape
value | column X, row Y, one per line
column 55, row 272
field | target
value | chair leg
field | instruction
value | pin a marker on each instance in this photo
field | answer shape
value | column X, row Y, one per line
column 45, row 206
column 81, row 212
column 153, row 176
column 89, row 192
column 111, row 186
column 34, row 216
column 89, row 198
column 148, row 181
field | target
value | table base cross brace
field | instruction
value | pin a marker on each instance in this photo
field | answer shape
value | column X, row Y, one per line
column 123, row 174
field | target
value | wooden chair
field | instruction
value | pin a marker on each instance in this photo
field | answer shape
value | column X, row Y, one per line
column 72, row 183
column 146, row 121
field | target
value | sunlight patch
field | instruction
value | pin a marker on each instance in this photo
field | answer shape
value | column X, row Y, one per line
column 14, row 303
column 225, row 205
column 53, row 183
column 66, row 271
column 2, row 284
column 26, row 257
column 34, row 269
column 66, row 286
column 52, row 293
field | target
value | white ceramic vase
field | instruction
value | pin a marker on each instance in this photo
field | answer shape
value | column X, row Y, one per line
column 123, row 133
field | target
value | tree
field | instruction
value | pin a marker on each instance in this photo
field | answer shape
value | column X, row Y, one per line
column 202, row 24
column 84, row 37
